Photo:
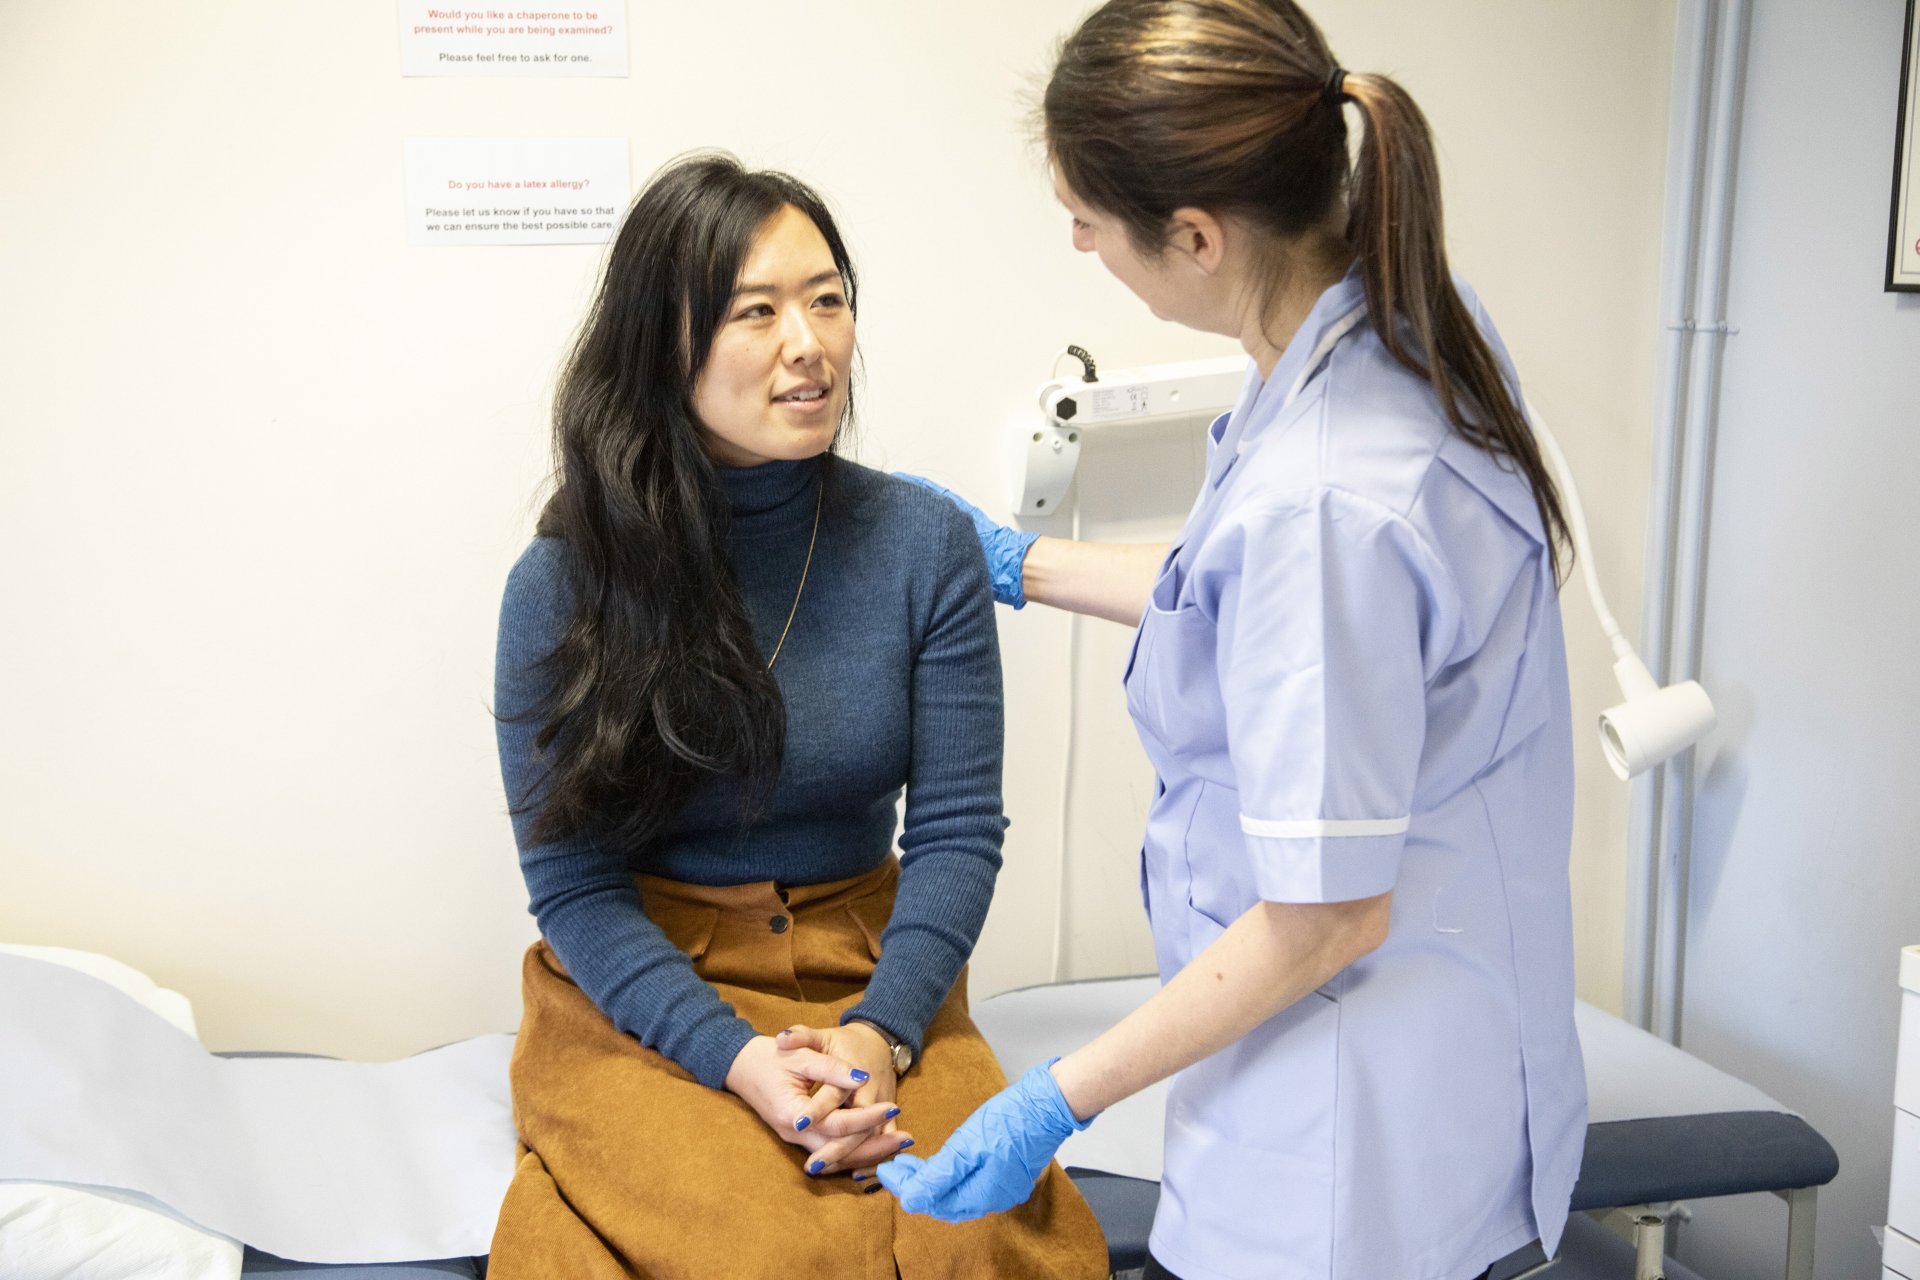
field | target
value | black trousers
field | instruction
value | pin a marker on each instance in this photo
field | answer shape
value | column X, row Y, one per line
column 1155, row 1271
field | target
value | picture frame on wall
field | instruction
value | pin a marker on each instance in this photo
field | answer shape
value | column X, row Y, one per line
column 1903, row 246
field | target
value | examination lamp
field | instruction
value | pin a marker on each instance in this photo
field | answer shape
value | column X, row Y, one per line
column 1651, row 726
column 1046, row 445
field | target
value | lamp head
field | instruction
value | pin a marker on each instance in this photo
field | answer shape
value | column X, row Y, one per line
column 1651, row 727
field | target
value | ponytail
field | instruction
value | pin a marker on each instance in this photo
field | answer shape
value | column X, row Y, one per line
column 1394, row 227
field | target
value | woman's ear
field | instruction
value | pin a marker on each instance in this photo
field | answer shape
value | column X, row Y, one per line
column 1197, row 235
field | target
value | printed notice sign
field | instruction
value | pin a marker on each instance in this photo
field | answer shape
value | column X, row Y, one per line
column 452, row 38
column 515, row 190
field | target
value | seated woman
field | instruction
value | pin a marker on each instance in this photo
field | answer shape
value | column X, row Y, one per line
column 719, row 663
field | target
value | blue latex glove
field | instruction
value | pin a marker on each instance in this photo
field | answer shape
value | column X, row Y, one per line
column 1006, row 547
column 993, row 1159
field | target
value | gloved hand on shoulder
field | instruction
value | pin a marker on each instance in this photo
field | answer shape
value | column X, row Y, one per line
column 1005, row 547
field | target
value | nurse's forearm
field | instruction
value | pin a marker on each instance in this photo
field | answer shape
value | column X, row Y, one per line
column 1270, row 957
column 1100, row 579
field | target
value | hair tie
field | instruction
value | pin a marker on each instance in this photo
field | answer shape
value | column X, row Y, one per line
column 1335, row 91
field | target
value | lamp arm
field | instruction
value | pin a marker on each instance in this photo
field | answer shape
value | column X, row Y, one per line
column 1582, row 545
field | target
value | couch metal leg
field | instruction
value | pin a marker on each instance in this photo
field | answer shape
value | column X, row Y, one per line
column 1649, row 1247
column 1800, row 1214
column 1646, row 1226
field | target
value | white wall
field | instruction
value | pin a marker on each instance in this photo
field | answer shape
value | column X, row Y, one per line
column 263, row 467
column 1805, row 881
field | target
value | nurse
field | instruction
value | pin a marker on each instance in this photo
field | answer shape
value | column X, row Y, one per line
column 1350, row 678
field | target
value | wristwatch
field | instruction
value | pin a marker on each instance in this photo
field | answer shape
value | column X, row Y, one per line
column 901, row 1050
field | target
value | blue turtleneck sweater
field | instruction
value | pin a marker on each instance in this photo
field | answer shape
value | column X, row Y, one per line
column 891, row 679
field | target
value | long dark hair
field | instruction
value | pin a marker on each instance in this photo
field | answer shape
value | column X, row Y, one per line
column 1224, row 105
column 657, row 686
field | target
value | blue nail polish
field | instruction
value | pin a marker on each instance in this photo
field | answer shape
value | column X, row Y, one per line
column 892, row 1112
column 906, row 1144
column 859, row 1177
column 816, row 1166
column 802, row 1122
column 859, row 1076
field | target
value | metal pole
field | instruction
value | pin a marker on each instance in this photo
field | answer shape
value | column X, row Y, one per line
column 1708, row 317
column 1686, row 145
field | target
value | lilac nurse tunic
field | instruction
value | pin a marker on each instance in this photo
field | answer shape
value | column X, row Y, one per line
column 1351, row 679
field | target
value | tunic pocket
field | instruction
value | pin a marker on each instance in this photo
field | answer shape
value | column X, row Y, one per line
column 1174, row 692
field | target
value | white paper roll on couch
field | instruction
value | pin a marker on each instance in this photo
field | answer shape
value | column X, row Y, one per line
column 311, row 1159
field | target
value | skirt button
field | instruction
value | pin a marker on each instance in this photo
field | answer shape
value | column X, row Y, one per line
column 778, row 924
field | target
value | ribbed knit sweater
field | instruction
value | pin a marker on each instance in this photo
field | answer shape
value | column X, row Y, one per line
column 891, row 678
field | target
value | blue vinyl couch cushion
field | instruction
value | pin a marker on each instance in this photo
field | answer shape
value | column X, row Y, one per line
column 265, row 1264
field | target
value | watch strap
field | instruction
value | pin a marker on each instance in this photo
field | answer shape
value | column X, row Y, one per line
column 901, row 1050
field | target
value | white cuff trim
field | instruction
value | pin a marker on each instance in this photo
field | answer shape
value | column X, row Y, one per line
column 1324, row 827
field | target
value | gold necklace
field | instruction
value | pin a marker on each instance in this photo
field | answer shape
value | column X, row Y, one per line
column 819, row 494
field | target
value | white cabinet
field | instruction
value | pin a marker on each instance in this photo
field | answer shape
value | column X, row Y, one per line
column 1903, row 1196
column 1901, row 1255
column 1901, row 1258
column 1906, row 1080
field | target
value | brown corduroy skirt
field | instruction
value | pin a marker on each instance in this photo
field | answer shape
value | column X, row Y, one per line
column 631, row 1168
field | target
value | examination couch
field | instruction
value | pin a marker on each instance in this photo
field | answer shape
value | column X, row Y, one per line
column 1663, row 1127
column 101, row 1093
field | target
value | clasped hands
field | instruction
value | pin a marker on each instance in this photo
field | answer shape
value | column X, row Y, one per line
column 829, row 1091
